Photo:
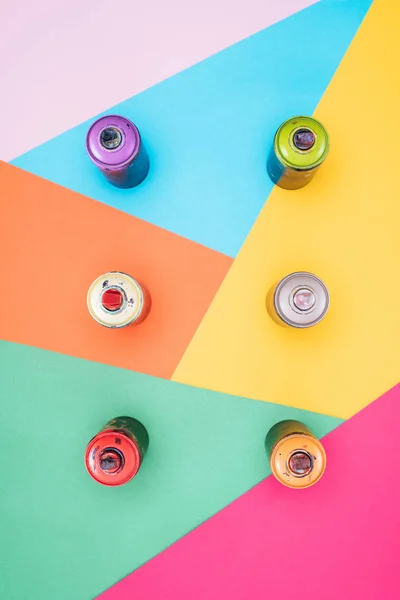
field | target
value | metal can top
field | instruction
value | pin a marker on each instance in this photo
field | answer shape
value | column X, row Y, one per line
column 301, row 299
column 115, row 299
column 298, row 460
column 112, row 458
column 112, row 142
column 301, row 143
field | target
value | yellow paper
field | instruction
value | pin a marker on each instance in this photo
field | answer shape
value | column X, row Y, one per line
column 345, row 228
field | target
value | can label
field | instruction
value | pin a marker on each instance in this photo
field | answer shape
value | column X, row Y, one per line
column 132, row 174
column 285, row 177
column 270, row 304
column 283, row 429
column 133, row 429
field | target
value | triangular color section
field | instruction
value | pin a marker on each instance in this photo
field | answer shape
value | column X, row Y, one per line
column 208, row 128
column 338, row 539
column 57, row 242
column 153, row 41
column 65, row 536
column 344, row 227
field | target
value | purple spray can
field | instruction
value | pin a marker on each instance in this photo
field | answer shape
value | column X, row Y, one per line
column 115, row 146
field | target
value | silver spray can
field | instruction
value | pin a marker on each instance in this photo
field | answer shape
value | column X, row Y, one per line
column 299, row 300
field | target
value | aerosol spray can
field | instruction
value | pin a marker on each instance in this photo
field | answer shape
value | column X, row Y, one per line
column 300, row 147
column 298, row 300
column 117, row 300
column 115, row 454
column 116, row 148
column 297, row 457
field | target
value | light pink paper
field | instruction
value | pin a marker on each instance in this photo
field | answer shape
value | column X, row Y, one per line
column 339, row 540
column 64, row 62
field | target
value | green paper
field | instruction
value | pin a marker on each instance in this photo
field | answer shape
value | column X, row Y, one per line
column 64, row 536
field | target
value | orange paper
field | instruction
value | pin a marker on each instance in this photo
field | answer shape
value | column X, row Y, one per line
column 55, row 242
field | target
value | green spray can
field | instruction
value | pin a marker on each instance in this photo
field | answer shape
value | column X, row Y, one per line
column 300, row 146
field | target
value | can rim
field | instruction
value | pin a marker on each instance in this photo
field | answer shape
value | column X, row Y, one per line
column 322, row 455
column 136, row 452
column 92, row 138
column 287, row 319
column 141, row 297
column 293, row 151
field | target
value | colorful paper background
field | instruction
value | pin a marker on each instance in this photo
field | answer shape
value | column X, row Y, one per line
column 208, row 372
